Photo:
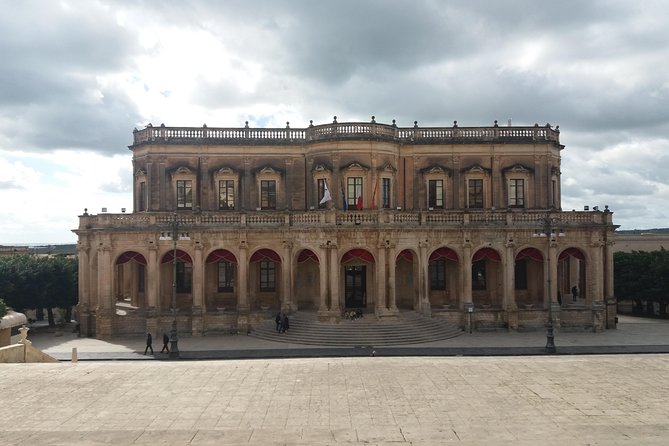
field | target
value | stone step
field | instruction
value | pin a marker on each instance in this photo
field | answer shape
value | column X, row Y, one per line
column 409, row 328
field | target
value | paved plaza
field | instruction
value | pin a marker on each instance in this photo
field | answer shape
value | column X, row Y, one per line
column 295, row 395
column 550, row 400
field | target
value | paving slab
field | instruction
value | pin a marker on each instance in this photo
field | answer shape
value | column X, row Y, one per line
column 557, row 399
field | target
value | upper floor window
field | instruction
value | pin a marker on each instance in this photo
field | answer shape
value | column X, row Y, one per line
column 184, row 194
column 435, row 194
column 226, row 195
column 354, row 192
column 385, row 193
column 141, row 205
column 516, row 193
column 475, row 193
column 268, row 194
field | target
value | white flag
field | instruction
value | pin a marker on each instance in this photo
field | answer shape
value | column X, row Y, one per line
column 326, row 194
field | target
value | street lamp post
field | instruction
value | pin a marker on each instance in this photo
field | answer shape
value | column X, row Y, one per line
column 550, row 230
column 174, row 347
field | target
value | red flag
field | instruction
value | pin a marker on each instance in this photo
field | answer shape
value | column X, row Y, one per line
column 360, row 203
column 376, row 186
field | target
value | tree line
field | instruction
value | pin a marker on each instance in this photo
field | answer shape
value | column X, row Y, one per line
column 643, row 277
column 30, row 282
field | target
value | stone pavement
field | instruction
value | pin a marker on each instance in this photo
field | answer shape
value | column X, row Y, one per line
column 412, row 399
column 520, row 400
column 633, row 335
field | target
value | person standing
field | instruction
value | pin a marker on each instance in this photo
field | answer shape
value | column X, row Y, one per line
column 149, row 343
column 166, row 340
column 574, row 292
column 284, row 324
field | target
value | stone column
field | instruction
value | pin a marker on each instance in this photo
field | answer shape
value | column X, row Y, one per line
column 243, row 298
column 335, row 309
column 84, row 306
column 508, row 298
column 243, row 277
column 380, row 304
column 152, row 289
column 390, row 259
column 105, row 309
column 596, row 279
column 468, row 304
column 467, row 274
column 552, row 261
column 197, row 326
column 424, row 278
column 287, row 304
column 323, row 276
column 611, row 304
column 596, row 270
column 510, row 306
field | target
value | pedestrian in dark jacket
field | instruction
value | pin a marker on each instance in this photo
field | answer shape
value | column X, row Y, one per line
column 284, row 324
column 166, row 340
column 149, row 343
column 278, row 321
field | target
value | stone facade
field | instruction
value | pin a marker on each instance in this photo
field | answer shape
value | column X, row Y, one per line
column 453, row 222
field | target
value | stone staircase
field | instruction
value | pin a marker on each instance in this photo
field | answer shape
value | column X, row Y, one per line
column 409, row 328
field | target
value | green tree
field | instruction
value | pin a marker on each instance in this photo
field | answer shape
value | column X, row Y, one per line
column 3, row 308
column 30, row 282
column 643, row 277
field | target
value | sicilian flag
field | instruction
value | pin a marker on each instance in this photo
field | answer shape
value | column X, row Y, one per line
column 326, row 194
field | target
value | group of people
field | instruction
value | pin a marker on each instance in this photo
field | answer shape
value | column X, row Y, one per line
column 282, row 323
column 149, row 343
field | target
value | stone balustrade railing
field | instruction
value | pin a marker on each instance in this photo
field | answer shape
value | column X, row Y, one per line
column 344, row 130
column 533, row 220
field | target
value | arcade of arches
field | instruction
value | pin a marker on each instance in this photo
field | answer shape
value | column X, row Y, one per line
column 213, row 288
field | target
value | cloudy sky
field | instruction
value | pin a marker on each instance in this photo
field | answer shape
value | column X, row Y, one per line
column 76, row 76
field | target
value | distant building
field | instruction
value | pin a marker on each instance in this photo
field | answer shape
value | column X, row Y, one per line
column 461, row 223
column 14, row 250
column 628, row 241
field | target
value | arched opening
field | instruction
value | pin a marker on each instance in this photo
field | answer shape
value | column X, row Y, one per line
column 264, row 280
column 357, row 273
column 182, row 283
column 529, row 278
column 221, row 281
column 406, row 287
column 487, row 278
column 443, row 278
column 307, row 280
column 130, row 282
column 572, row 277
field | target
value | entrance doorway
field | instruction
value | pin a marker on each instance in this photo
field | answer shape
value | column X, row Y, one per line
column 356, row 286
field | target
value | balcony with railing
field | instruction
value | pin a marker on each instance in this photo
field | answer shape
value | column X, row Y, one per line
column 342, row 131
column 387, row 219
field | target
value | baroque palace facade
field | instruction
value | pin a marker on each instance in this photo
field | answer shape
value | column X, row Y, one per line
column 461, row 223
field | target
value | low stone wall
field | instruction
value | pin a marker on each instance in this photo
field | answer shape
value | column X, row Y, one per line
column 19, row 353
column 12, row 353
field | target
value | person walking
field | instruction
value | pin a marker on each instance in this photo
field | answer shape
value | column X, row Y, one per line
column 166, row 340
column 574, row 292
column 149, row 343
column 278, row 321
